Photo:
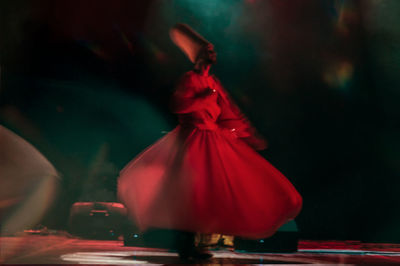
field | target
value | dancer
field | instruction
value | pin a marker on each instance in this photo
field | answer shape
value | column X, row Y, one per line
column 205, row 175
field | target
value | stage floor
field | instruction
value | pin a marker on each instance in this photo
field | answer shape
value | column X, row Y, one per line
column 63, row 249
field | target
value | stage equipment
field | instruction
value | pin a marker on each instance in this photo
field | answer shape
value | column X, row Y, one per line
column 97, row 220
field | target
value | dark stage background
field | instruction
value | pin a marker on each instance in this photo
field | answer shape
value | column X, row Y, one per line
column 87, row 82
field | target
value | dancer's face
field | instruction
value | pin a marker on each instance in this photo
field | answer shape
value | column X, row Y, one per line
column 209, row 56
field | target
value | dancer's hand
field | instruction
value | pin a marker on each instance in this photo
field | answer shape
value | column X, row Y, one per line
column 256, row 143
column 208, row 92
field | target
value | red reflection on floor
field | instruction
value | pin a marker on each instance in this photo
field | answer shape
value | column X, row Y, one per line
column 63, row 249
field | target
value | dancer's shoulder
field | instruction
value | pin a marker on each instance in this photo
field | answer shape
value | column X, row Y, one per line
column 189, row 74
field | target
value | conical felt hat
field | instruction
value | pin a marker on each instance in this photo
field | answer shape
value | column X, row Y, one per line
column 188, row 40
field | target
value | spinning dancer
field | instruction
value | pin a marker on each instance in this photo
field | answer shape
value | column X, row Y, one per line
column 205, row 175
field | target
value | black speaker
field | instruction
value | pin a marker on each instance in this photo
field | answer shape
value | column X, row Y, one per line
column 97, row 220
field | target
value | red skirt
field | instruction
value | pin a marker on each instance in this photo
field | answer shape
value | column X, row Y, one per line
column 207, row 181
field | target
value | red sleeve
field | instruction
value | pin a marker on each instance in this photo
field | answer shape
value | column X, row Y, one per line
column 233, row 119
column 186, row 98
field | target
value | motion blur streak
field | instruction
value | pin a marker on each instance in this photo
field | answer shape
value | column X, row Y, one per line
column 28, row 183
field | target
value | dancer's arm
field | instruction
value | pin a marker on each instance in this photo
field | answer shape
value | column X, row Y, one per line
column 186, row 99
column 234, row 120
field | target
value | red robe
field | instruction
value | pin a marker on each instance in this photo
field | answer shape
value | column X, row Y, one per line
column 205, row 176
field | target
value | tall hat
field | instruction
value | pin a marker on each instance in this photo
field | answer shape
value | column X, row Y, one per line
column 188, row 40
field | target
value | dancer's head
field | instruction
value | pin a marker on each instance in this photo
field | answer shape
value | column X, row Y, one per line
column 206, row 56
column 193, row 45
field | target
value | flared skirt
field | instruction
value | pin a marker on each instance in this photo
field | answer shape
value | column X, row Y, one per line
column 207, row 181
